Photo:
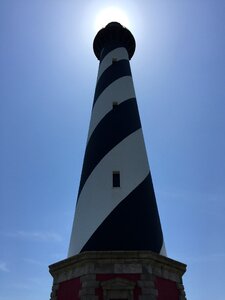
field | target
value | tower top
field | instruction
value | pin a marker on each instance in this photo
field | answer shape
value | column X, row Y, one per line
column 114, row 34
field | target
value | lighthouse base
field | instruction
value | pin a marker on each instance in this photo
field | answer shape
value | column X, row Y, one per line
column 117, row 275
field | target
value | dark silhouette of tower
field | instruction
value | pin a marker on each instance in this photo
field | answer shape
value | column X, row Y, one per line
column 116, row 249
column 116, row 207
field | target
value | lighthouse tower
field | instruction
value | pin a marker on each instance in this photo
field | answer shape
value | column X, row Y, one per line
column 116, row 248
column 116, row 207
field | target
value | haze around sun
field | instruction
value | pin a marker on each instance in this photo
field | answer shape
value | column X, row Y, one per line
column 110, row 14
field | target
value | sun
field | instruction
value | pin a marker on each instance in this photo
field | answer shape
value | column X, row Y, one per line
column 111, row 14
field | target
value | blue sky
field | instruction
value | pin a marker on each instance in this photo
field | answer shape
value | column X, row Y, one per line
column 48, row 74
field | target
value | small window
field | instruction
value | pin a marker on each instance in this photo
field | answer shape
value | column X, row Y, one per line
column 114, row 60
column 115, row 104
column 116, row 179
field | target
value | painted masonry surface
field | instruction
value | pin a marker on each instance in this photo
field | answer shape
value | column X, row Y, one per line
column 117, row 249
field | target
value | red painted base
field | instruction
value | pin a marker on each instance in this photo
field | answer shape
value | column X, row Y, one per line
column 136, row 275
column 167, row 289
column 69, row 290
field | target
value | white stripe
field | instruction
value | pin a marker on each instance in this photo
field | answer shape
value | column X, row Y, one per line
column 118, row 53
column 98, row 198
column 163, row 250
column 118, row 91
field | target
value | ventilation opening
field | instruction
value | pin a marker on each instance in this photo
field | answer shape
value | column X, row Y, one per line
column 114, row 60
column 116, row 179
column 115, row 104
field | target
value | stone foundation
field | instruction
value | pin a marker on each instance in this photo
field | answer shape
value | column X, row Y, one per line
column 117, row 275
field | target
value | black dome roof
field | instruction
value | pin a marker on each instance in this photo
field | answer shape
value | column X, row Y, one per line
column 114, row 32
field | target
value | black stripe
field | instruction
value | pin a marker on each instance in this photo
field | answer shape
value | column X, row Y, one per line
column 133, row 225
column 112, row 73
column 111, row 47
column 113, row 128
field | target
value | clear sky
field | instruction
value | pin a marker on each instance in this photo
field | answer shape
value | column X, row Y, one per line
column 48, row 74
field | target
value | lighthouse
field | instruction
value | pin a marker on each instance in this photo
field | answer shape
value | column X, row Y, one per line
column 116, row 206
column 116, row 248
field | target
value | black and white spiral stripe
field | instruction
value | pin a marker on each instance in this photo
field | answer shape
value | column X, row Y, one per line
column 107, row 218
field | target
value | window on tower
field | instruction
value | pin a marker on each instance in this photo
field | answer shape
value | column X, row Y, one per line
column 115, row 104
column 116, row 179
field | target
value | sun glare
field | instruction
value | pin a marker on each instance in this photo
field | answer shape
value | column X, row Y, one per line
column 111, row 14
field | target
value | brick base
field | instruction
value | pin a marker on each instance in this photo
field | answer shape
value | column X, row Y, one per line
column 119, row 275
